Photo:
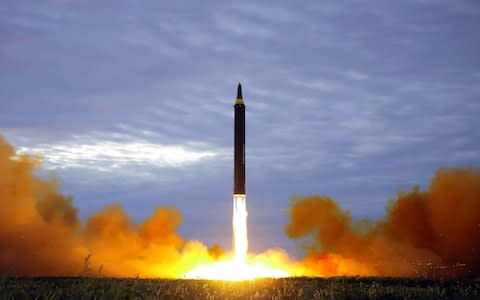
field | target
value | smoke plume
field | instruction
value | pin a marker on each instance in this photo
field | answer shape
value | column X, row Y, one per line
column 41, row 234
column 424, row 233
column 429, row 233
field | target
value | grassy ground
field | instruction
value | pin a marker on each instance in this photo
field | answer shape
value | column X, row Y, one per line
column 289, row 288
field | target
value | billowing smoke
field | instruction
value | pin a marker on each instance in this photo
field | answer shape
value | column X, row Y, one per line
column 41, row 234
column 430, row 233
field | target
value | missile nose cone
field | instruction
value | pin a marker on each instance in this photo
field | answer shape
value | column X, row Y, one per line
column 239, row 91
column 239, row 95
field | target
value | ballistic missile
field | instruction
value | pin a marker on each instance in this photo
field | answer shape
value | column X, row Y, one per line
column 239, row 220
column 239, row 145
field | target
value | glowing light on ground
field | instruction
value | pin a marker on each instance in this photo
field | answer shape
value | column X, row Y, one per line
column 233, row 270
column 237, row 268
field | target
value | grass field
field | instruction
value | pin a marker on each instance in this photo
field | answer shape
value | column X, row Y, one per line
column 288, row 288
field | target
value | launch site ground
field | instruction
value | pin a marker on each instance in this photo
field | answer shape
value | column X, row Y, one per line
column 287, row 288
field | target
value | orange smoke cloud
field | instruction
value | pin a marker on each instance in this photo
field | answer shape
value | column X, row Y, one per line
column 41, row 233
column 425, row 233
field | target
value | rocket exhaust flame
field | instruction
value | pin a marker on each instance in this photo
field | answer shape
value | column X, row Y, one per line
column 239, row 220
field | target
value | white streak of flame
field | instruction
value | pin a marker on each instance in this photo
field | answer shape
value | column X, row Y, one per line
column 239, row 222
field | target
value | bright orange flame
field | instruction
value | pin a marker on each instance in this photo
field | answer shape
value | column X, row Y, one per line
column 238, row 268
column 234, row 270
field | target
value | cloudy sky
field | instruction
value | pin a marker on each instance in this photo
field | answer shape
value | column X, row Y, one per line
column 132, row 101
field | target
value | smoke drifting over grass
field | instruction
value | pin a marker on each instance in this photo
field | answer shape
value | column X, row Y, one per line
column 435, row 232
column 423, row 231
column 41, row 234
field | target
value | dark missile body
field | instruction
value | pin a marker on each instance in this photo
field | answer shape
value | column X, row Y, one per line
column 239, row 144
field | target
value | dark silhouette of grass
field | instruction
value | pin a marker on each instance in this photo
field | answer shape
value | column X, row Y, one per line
column 287, row 288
